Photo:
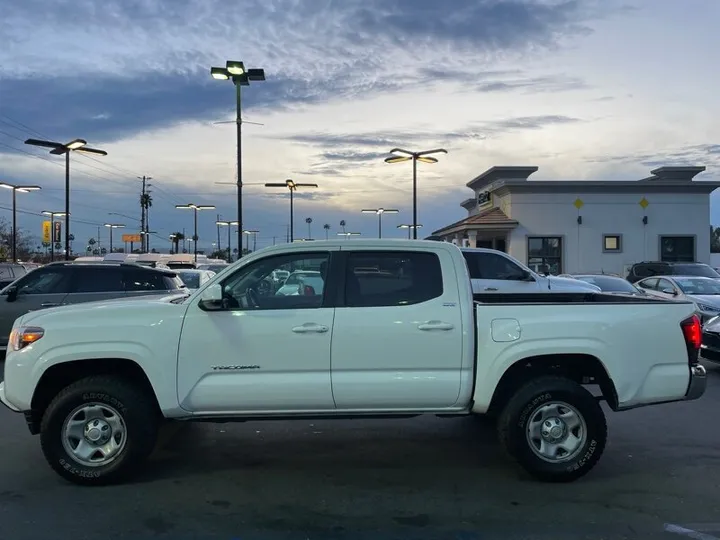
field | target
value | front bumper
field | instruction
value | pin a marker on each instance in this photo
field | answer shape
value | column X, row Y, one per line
column 4, row 400
column 698, row 383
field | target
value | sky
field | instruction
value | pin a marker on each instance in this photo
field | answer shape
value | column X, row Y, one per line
column 595, row 89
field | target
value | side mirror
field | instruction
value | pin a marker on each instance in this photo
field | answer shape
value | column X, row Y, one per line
column 211, row 298
column 12, row 294
column 668, row 290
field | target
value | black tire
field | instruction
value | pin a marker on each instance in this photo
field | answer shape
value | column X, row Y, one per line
column 514, row 419
column 137, row 410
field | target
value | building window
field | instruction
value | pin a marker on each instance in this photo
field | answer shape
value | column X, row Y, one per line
column 545, row 254
column 612, row 243
column 677, row 248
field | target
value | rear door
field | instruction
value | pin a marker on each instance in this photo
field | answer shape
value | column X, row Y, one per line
column 397, row 339
column 92, row 283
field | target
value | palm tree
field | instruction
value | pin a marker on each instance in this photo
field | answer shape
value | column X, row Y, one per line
column 309, row 223
column 145, row 204
column 177, row 237
column 327, row 230
column 342, row 224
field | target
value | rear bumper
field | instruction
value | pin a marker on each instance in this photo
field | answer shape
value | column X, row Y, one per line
column 698, row 383
column 4, row 401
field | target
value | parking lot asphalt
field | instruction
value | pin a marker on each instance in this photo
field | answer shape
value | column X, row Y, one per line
column 415, row 478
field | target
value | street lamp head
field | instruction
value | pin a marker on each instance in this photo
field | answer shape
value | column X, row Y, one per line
column 185, row 206
column 348, row 234
column 53, row 214
column 406, row 226
column 433, row 151
column 401, row 152
column 235, row 68
column 21, row 189
column 75, row 144
column 397, row 159
column 427, row 159
column 250, row 231
column 205, row 207
column 256, row 74
column 114, row 225
column 219, row 73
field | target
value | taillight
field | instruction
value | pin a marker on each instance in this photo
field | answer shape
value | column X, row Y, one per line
column 692, row 332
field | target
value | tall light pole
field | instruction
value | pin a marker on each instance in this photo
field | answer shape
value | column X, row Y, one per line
column 195, row 208
column 58, row 149
column 229, row 225
column 235, row 71
column 15, row 189
column 247, row 234
column 113, row 226
column 380, row 212
column 53, row 215
column 409, row 227
column 400, row 155
column 291, row 186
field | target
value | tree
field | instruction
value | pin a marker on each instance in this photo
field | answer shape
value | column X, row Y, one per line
column 309, row 224
column 327, row 230
column 145, row 205
column 342, row 225
column 714, row 239
column 177, row 237
column 24, row 242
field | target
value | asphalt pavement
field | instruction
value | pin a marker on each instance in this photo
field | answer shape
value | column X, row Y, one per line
column 406, row 479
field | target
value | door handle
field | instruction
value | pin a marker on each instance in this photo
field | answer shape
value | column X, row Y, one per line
column 491, row 288
column 50, row 304
column 308, row 328
column 435, row 325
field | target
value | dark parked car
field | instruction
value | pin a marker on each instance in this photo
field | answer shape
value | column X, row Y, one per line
column 710, row 347
column 62, row 283
column 646, row 269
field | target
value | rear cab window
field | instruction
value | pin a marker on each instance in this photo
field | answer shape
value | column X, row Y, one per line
column 391, row 278
column 138, row 279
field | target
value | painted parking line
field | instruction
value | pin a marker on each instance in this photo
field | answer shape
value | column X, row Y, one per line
column 694, row 532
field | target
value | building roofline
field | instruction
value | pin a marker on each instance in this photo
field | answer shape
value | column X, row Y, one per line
column 501, row 172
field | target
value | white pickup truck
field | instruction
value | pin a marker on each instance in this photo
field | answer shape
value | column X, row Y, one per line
column 396, row 332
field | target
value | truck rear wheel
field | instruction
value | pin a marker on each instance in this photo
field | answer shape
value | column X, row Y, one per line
column 554, row 428
column 99, row 430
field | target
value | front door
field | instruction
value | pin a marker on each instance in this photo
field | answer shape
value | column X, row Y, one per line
column 398, row 335
column 262, row 352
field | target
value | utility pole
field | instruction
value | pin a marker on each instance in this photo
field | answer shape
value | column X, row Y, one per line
column 144, row 210
column 287, row 234
column 217, row 226
column 99, row 246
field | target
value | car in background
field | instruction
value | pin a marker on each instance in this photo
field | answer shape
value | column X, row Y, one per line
column 495, row 271
column 704, row 292
column 297, row 281
column 9, row 272
column 194, row 278
column 609, row 283
column 647, row 269
column 63, row 283
column 214, row 267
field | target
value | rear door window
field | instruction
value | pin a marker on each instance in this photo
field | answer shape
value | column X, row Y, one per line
column 98, row 279
column 144, row 280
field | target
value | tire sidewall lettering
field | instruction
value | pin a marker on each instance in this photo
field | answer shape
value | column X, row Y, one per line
column 531, row 406
column 106, row 398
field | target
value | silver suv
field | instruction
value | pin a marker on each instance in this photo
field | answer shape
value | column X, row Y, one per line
column 62, row 283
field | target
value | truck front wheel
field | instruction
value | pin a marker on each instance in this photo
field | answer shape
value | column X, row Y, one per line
column 554, row 428
column 99, row 430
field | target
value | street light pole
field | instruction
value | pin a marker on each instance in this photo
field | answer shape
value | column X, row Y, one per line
column 195, row 208
column 229, row 225
column 400, row 155
column 247, row 239
column 291, row 186
column 240, row 76
column 380, row 212
column 112, row 226
column 15, row 189
column 409, row 228
column 58, row 149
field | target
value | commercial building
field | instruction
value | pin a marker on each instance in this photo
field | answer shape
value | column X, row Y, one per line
column 565, row 226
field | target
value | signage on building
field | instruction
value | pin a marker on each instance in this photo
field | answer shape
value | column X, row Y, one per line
column 46, row 232
column 57, row 231
column 131, row 237
column 483, row 198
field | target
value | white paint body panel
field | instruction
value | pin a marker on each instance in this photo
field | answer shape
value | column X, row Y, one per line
column 369, row 359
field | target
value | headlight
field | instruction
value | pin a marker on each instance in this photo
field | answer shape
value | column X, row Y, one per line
column 708, row 309
column 23, row 336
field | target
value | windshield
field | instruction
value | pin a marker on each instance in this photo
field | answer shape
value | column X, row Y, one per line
column 609, row 284
column 190, row 279
column 695, row 270
column 698, row 286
